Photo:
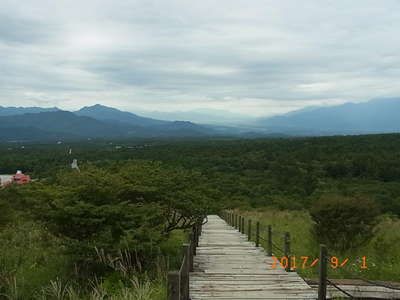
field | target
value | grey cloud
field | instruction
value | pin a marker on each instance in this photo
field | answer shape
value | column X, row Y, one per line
column 257, row 58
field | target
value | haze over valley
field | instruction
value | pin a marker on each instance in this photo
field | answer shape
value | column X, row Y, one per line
column 98, row 121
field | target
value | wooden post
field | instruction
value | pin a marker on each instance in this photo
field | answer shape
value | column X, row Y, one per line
column 185, row 272
column 197, row 234
column 236, row 221
column 322, row 272
column 243, row 225
column 174, row 286
column 258, row 234
column 240, row 224
column 191, row 252
column 249, row 229
column 286, row 249
column 196, row 240
column 200, row 227
column 269, row 246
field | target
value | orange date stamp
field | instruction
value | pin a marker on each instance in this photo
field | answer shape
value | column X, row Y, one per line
column 307, row 262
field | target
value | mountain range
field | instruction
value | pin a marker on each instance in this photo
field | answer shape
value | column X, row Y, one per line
column 89, row 122
column 98, row 121
column 12, row 111
column 375, row 116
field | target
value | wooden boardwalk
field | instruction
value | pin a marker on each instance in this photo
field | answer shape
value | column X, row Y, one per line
column 227, row 266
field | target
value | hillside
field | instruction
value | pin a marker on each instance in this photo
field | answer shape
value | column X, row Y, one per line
column 12, row 111
column 67, row 125
column 104, row 113
column 375, row 116
column 62, row 124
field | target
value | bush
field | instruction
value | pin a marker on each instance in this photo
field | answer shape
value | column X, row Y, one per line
column 344, row 222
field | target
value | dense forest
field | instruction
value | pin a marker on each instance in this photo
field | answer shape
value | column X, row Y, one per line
column 87, row 234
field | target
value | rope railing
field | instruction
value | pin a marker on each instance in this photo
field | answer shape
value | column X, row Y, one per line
column 340, row 289
column 238, row 222
column 380, row 284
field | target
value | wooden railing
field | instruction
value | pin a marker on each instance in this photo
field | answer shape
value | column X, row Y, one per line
column 178, row 281
column 238, row 222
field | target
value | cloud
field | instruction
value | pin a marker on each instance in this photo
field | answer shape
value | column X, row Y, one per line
column 258, row 58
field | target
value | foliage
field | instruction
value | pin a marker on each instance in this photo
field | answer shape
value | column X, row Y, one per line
column 380, row 251
column 134, row 203
column 344, row 222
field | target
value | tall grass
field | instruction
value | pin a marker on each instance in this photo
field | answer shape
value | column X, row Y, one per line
column 381, row 252
column 135, row 290
column 33, row 267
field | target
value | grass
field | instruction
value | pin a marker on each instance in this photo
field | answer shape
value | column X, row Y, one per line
column 381, row 252
column 135, row 290
column 33, row 267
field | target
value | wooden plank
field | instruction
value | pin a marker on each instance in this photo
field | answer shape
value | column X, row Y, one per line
column 228, row 266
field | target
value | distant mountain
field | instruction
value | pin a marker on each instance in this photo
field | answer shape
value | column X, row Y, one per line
column 11, row 111
column 63, row 124
column 375, row 116
column 68, row 125
column 105, row 113
column 151, row 127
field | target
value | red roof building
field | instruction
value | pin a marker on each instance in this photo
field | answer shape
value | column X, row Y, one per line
column 18, row 178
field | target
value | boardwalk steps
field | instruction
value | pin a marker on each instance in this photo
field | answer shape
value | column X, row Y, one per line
column 228, row 266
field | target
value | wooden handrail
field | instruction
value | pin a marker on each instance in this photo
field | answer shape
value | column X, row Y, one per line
column 178, row 281
column 237, row 222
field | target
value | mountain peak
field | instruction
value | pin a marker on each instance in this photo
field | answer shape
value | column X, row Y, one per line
column 110, row 114
column 97, row 107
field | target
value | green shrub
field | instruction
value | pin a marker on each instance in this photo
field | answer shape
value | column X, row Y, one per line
column 344, row 222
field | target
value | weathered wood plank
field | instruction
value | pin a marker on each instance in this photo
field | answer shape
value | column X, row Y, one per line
column 228, row 266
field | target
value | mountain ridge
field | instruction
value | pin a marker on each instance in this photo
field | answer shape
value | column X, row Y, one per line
column 374, row 116
column 13, row 110
column 105, row 113
column 68, row 125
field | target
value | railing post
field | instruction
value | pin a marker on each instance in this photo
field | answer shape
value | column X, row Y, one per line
column 243, row 225
column 191, row 252
column 185, row 272
column 200, row 227
column 258, row 234
column 195, row 241
column 249, row 229
column 174, row 286
column 286, row 249
column 269, row 245
column 322, row 272
column 240, row 224
column 236, row 221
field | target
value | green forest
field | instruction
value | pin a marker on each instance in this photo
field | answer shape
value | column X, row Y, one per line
column 113, row 230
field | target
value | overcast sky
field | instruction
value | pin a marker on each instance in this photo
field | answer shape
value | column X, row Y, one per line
column 255, row 57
